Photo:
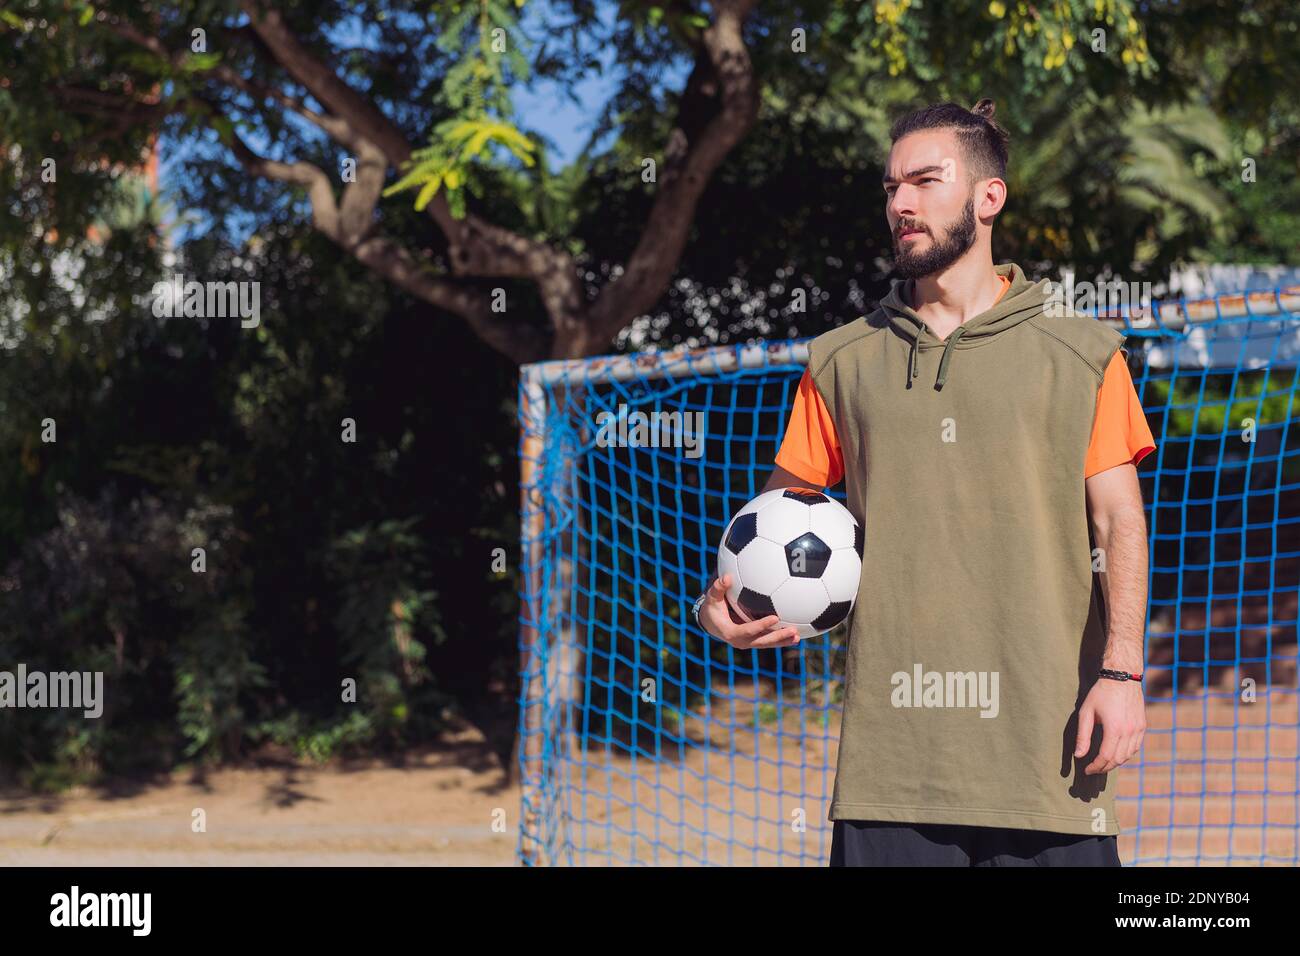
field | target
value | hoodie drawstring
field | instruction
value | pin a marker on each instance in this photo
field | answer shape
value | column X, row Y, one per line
column 1019, row 300
column 913, row 364
column 947, row 353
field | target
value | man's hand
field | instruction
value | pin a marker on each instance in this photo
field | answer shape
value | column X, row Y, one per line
column 1119, row 705
column 719, row 619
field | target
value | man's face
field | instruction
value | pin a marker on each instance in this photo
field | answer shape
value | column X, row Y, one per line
column 929, row 203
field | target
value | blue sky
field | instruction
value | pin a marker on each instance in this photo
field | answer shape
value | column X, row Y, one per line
column 547, row 109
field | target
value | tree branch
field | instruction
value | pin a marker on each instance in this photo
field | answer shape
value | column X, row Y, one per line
column 324, row 209
column 517, row 342
column 382, row 255
column 476, row 247
column 335, row 95
column 718, row 108
column 722, row 83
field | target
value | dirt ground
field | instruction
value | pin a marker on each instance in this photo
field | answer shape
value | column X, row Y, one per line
column 438, row 809
column 1215, row 786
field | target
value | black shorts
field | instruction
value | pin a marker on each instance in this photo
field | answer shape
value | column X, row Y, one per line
column 873, row 843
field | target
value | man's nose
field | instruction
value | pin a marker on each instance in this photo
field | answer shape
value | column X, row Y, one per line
column 903, row 202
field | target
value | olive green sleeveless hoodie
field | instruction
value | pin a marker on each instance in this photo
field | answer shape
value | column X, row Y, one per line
column 978, row 627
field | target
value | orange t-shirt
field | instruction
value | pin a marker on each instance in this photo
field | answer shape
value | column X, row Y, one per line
column 1120, row 434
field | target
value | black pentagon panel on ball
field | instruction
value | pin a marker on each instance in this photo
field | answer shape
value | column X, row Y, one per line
column 807, row 556
column 858, row 539
column 755, row 605
column 828, row 618
column 807, row 495
column 743, row 530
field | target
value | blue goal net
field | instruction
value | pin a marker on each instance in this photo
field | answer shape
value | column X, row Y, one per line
column 643, row 741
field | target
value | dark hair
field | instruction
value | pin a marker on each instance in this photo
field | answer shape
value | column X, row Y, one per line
column 983, row 142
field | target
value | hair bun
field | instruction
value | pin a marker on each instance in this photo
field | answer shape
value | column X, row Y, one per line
column 984, row 108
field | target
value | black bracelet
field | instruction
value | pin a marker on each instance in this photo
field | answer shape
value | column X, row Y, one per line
column 1119, row 675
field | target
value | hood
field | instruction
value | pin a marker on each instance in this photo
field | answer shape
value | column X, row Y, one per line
column 1023, row 300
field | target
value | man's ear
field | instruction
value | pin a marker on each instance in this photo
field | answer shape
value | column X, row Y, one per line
column 1001, row 190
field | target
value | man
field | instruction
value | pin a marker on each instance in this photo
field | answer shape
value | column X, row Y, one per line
column 991, row 685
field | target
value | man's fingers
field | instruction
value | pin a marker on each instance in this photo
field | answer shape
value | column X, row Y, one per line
column 756, row 628
column 718, row 598
column 1137, row 743
column 1084, row 738
column 1126, row 749
column 768, row 632
column 718, row 590
column 1105, row 761
column 762, row 633
column 779, row 638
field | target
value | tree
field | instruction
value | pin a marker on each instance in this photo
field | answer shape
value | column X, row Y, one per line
column 289, row 92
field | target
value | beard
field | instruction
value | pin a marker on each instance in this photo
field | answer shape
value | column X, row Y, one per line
column 957, row 238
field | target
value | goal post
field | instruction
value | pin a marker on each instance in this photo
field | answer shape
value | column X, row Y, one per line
column 642, row 740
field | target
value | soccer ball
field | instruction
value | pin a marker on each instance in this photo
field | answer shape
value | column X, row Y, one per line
column 796, row 553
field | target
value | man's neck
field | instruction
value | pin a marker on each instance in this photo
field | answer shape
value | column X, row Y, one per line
column 950, row 298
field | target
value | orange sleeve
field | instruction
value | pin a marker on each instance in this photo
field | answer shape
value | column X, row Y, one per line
column 1120, row 433
column 811, row 448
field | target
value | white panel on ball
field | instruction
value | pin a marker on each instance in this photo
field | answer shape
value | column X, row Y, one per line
column 727, row 565
column 843, row 574
column 759, row 501
column 762, row 566
column 833, row 523
column 783, row 520
column 800, row 601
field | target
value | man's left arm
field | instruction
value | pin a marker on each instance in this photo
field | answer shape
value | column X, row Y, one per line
column 1120, row 531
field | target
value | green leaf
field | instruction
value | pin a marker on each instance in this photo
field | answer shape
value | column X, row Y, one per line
column 427, row 193
column 200, row 62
